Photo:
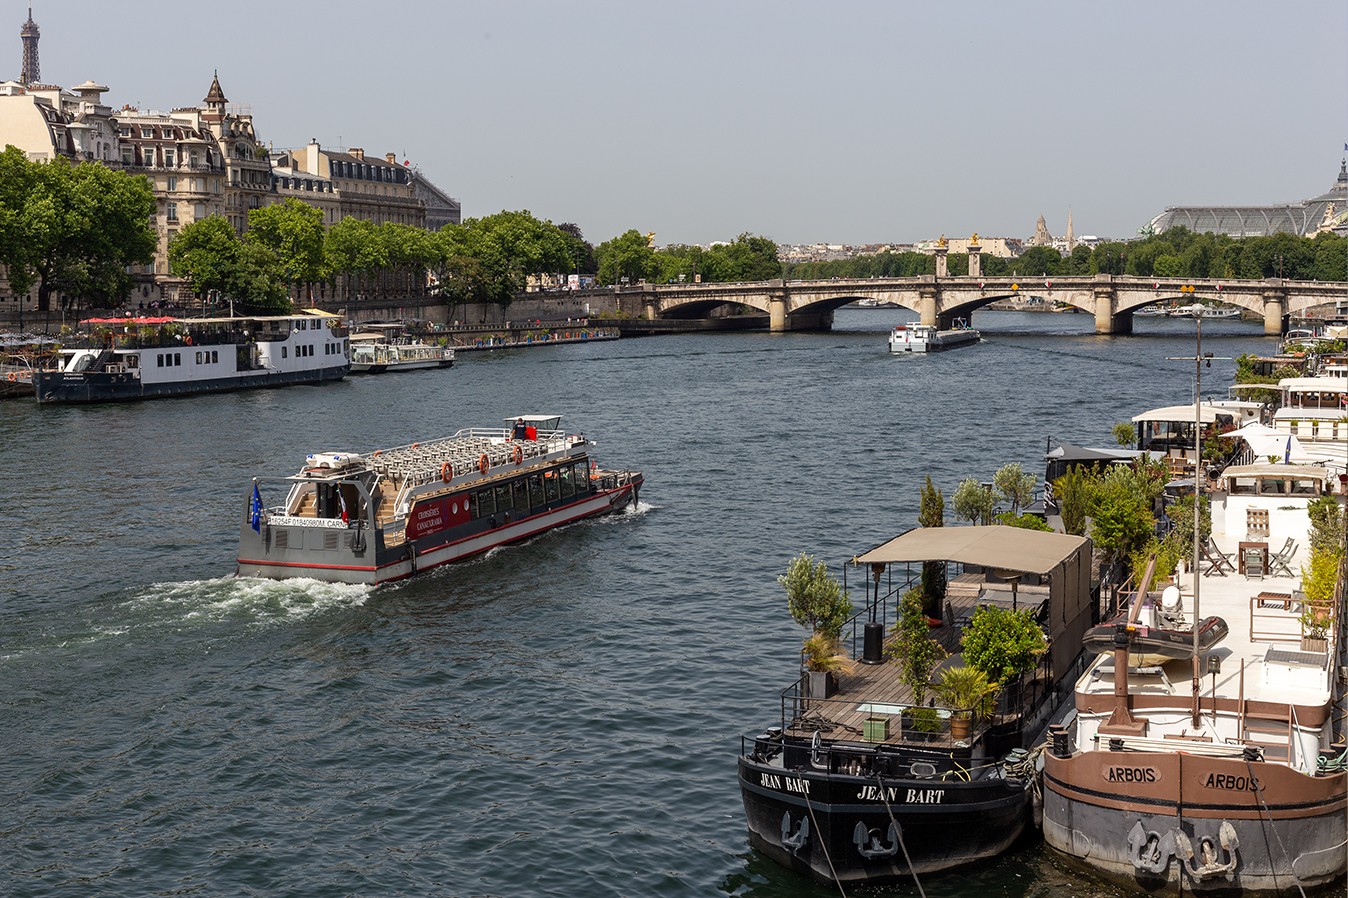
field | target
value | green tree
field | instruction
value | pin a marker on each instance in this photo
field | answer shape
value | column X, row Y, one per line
column 972, row 502
column 1125, row 433
column 814, row 598
column 1002, row 643
column 1121, row 518
column 912, row 647
column 206, row 254
column 73, row 229
column 931, row 513
column 292, row 232
column 352, row 249
column 628, row 256
column 1073, row 493
column 506, row 248
column 1016, row 486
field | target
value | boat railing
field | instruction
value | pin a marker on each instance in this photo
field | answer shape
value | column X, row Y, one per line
column 852, row 721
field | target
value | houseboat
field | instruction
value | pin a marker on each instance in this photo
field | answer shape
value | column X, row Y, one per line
column 120, row 359
column 385, row 515
column 1215, row 770
column 858, row 782
column 927, row 338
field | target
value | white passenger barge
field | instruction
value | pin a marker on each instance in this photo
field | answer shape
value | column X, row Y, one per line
column 926, row 338
column 146, row 358
column 391, row 513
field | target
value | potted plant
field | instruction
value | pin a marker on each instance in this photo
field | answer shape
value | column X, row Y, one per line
column 817, row 601
column 967, row 693
column 1004, row 644
column 1315, row 623
column 912, row 648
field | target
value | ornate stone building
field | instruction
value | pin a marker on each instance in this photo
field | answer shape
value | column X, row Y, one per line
column 1305, row 219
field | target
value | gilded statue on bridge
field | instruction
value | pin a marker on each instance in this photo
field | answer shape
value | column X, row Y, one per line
column 942, row 241
column 973, row 241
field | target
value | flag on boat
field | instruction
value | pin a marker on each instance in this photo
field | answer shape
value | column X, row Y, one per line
column 346, row 518
column 1286, row 456
column 255, row 511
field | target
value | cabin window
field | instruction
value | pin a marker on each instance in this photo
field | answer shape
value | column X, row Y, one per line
column 198, row 357
column 470, row 502
column 520, row 493
column 133, row 361
column 284, row 350
column 582, row 477
column 1273, row 487
column 535, row 491
column 1243, row 486
column 564, row 481
column 159, row 359
column 503, row 500
column 177, row 358
column 486, row 503
column 215, row 355
column 1304, row 487
column 550, row 485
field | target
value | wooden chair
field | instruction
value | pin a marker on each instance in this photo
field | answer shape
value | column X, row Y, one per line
column 1279, row 563
column 1254, row 564
column 1218, row 562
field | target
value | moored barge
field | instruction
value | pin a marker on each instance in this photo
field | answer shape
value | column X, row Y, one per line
column 391, row 513
column 856, row 786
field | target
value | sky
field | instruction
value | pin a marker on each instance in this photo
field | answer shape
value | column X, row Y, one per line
column 840, row 121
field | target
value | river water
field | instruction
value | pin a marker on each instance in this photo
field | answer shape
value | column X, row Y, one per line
column 557, row 718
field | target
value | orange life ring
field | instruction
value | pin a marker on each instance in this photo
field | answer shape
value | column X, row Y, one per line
column 188, row 339
column 12, row 377
column 518, row 455
column 415, row 445
column 376, row 453
column 483, row 464
column 446, row 472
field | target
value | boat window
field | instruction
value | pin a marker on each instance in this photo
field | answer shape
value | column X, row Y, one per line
column 1242, row 486
column 133, row 361
column 535, row 490
column 550, row 485
column 470, row 502
column 1304, row 487
column 177, row 358
column 503, row 499
column 160, row 360
column 1273, row 486
column 582, row 477
column 198, row 357
column 564, row 481
column 520, row 491
column 486, row 503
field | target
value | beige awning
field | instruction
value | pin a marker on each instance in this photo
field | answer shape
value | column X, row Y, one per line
column 1184, row 414
column 1286, row 472
column 1011, row 548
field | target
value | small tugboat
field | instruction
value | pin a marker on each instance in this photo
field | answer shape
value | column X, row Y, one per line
column 926, row 338
column 859, row 782
column 123, row 359
column 388, row 514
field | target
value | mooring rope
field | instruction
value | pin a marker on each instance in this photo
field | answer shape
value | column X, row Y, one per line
column 1259, row 793
column 823, row 844
column 898, row 833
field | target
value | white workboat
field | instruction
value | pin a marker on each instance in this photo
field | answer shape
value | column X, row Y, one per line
column 926, row 338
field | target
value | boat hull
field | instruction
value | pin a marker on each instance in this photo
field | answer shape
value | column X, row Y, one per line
column 351, row 554
column 941, row 342
column 836, row 826
column 1120, row 813
column 59, row 387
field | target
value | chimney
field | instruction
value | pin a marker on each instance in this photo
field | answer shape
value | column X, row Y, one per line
column 391, row 158
column 358, row 152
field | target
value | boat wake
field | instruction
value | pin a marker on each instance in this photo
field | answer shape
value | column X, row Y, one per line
column 252, row 599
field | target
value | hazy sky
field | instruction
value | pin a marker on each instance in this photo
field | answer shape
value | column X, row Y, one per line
column 837, row 121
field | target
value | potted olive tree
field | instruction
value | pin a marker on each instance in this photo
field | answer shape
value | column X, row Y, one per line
column 816, row 600
column 969, row 696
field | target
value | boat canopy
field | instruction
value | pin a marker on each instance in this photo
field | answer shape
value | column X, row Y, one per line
column 1265, row 441
column 1070, row 452
column 1184, row 414
column 1276, row 471
column 320, row 313
column 1008, row 548
column 1314, row 384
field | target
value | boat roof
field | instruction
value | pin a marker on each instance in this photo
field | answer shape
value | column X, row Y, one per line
column 320, row 313
column 533, row 419
column 1010, row 548
column 1314, row 384
column 1073, row 452
column 1302, row 472
column 1184, row 414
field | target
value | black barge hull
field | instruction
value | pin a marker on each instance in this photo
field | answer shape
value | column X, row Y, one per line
column 864, row 829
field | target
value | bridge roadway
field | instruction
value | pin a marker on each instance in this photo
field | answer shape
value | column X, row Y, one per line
column 1112, row 299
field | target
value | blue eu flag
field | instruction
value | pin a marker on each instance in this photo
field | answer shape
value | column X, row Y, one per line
column 255, row 511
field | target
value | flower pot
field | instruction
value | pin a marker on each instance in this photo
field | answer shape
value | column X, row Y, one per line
column 960, row 726
column 1318, row 644
column 821, row 683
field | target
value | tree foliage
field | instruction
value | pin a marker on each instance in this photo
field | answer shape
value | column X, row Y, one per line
column 1015, row 485
column 210, row 255
column 72, row 229
column 972, row 501
column 1002, row 643
column 912, row 647
column 814, row 598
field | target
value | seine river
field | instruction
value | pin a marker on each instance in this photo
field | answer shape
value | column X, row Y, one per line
column 558, row 718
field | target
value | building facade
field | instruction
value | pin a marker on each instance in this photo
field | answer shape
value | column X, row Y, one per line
column 1326, row 212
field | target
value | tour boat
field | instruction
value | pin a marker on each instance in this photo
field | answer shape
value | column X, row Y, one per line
column 372, row 354
column 927, row 338
column 1220, row 773
column 146, row 358
column 858, row 784
column 391, row 513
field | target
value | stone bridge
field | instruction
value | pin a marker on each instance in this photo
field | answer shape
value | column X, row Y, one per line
column 939, row 300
